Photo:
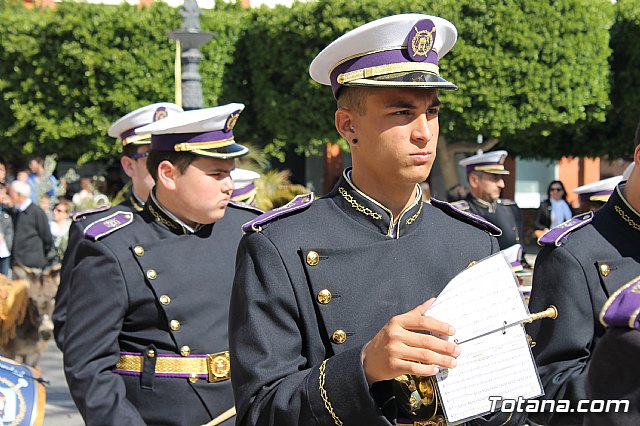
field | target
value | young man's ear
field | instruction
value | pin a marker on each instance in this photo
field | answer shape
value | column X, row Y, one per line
column 473, row 180
column 345, row 125
column 127, row 165
column 167, row 174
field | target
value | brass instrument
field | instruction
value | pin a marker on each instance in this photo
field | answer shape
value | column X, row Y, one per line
column 550, row 312
column 417, row 397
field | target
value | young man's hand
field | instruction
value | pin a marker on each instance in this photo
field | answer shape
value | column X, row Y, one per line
column 398, row 349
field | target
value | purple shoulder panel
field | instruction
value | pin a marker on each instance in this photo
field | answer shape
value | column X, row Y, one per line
column 299, row 203
column 81, row 214
column 471, row 218
column 245, row 206
column 461, row 205
column 556, row 236
column 107, row 225
column 622, row 309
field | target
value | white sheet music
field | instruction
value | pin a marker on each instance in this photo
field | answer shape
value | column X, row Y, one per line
column 484, row 304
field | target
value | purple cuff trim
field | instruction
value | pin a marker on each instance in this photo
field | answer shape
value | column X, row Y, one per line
column 385, row 57
column 167, row 142
column 244, row 190
column 624, row 306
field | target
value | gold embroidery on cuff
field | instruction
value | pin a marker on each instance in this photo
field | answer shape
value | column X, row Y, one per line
column 323, row 394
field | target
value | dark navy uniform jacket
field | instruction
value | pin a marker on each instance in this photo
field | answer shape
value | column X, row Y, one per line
column 150, row 285
column 76, row 233
column 583, row 262
column 319, row 284
column 613, row 371
column 505, row 214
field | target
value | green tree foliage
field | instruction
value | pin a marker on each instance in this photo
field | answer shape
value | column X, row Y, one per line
column 616, row 136
column 523, row 68
column 527, row 71
column 67, row 74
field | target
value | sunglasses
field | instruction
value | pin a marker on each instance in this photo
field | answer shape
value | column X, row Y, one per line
column 555, row 189
column 138, row 155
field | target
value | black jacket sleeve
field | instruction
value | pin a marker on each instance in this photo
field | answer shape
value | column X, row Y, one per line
column 274, row 382
column 97, row 303
column 59, row 316
column 564, row 345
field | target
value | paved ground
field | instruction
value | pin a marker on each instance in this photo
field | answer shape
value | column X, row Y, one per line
column 60, row 409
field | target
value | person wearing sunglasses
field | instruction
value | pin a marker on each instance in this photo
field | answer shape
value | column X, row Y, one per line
column 135, row 150
column 581, row 266
column 554, row 210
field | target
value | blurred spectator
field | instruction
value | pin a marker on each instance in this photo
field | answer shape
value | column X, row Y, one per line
column 554, row 210
column 45, row 205
column 3, row 173
column 114, row 182
column 59, row 227
column 32, row 239
column 85, row 195
column 35, row 180
column 457, row 192
column 6, row 231
column 22, row 175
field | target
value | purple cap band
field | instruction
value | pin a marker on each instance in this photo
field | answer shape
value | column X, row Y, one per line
column 623, row 307
column 473, row 167
column 169, row 141
column 385, row 57
column 128, row 133
column 244, row 190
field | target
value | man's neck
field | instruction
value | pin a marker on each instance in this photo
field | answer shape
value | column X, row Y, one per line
column 631, row 191
column 166, row 202
column 140, row 195
column 394, row 197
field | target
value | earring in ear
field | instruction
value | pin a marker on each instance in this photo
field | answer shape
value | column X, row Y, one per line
column 354, row 141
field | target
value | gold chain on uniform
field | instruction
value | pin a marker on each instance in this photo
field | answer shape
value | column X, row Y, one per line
column 162, row 219
column 415, row 216
column 627, row 219
column 362, row 209
column 323, row 394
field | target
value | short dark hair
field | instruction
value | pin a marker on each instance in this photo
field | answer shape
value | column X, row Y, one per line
column 637, row 138
column 354, row 98
column 130, row 149
column 38, row 160
column 181, row 160
column 556, row 182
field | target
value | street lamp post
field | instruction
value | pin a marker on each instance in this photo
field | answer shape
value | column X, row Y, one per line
column 190, row 39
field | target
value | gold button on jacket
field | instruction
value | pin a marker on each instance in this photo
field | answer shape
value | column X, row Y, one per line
column 339, row 336
column 175, row 325
column 313, row 258
column 324, row 296
column 138, row 250
column 152, row 274
column 185, row 350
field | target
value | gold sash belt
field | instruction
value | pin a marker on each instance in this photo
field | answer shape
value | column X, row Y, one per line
column 213, row 367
